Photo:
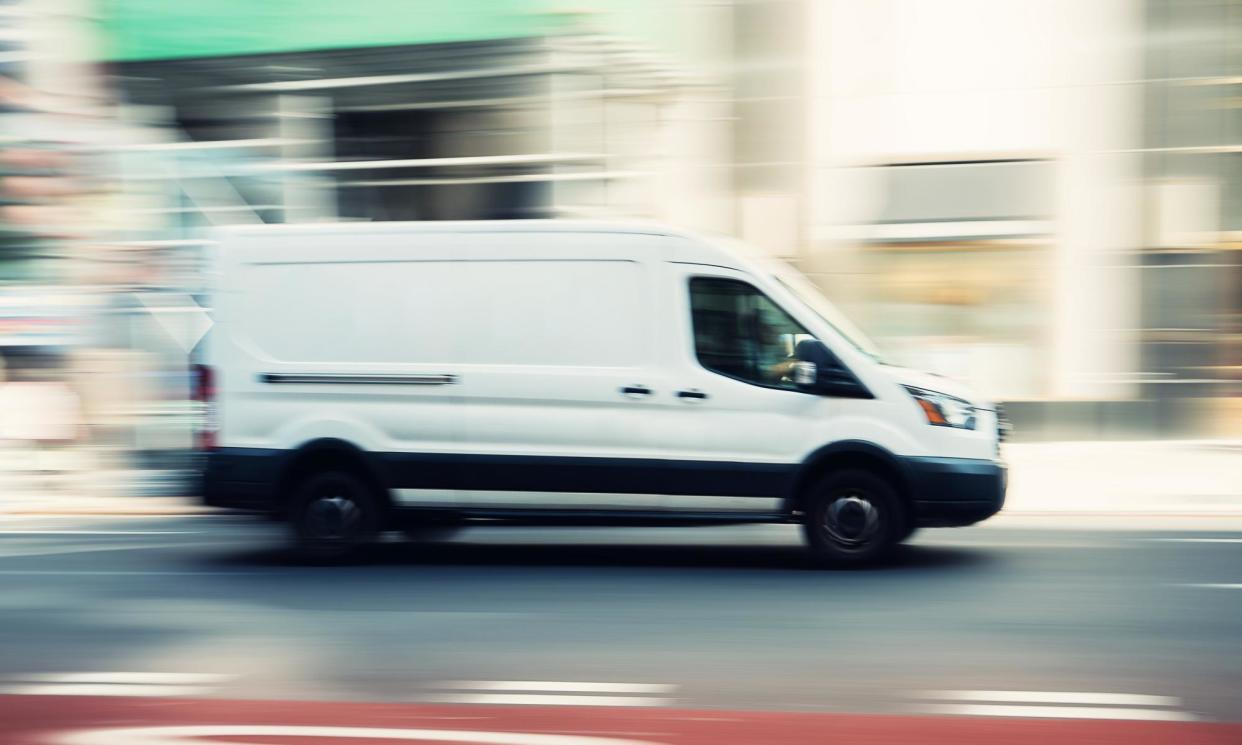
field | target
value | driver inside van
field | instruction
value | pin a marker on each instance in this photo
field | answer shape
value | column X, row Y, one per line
column 769, row 349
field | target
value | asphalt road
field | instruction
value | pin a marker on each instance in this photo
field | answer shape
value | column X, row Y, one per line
column 991, row 620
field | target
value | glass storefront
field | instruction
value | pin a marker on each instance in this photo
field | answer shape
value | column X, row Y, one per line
column 975, row 311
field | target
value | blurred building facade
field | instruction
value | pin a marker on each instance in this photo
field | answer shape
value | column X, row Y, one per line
column 435, row 110
column 1040, row 196
column 1191, row 302
column 1034, row 195
column 44, row 215
column 87, row 382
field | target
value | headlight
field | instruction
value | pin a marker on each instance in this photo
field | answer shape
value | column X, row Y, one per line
column 942, row 410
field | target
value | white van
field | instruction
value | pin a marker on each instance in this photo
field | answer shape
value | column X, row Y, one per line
column 368, row 377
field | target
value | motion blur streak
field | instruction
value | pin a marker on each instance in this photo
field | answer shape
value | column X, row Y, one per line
column 1041, row 199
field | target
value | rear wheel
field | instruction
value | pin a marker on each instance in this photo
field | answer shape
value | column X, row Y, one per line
column 332, row 513
column 852, row 517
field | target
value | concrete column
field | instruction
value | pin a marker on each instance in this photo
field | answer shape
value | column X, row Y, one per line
column 305, row 123
column 1097, row 126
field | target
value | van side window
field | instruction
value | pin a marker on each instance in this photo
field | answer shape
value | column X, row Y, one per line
column 740, row 333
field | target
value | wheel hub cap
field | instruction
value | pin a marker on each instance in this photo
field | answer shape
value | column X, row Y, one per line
column 333, row 518
column 851, row 520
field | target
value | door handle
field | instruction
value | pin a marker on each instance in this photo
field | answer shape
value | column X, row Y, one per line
column 636, row 390
column 692, row 394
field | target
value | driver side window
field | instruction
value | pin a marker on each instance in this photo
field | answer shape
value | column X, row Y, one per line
column 740, row 333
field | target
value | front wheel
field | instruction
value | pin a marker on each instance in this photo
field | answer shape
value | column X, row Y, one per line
column 852, row 517
column 332, row 513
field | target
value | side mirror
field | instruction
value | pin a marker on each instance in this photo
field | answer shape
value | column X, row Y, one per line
column 819, row 371
column 805, row 374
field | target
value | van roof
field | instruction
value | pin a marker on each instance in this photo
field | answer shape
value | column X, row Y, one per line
column 696, row 248
column 635, row 227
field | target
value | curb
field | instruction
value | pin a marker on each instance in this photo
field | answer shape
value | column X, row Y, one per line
column 118, row 512
column 135, row 506
column 1236, row 514
column 190, row 510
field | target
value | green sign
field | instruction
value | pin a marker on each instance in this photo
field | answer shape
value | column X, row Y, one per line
column 165, row 29
column 136, row 30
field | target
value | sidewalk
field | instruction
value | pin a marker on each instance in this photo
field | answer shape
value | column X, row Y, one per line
column 1158, row 478
column 81, row 482
column 1186, row 478
column 68, row 504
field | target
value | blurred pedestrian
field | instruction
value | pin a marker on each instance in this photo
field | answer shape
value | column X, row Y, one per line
column 40, row 419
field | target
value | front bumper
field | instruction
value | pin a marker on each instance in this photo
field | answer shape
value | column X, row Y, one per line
column 955, row 491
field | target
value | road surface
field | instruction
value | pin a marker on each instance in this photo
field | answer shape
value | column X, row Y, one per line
column 967, row 634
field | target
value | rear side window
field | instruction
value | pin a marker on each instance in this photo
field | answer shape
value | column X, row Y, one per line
column 740, row 333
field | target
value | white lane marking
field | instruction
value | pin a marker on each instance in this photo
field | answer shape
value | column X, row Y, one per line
column 153, row 684
column 192, row 735
column 105, row 689
column 1053, row 544
column 1053, row 697
column 118, row 573
column 86, row 550
column 1192, row 540
column 556, row 686
column 1056, row 712
column 548, row 699
column 88, row 518
column 1215, row 585
column 99, row 532
column 154, row 678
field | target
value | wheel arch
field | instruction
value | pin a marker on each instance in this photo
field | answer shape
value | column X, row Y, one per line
column 845, row 454
column 330, row 453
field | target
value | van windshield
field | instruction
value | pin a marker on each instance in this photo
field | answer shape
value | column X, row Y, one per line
column 809, row 294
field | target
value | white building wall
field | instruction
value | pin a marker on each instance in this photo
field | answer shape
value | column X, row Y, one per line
column 895, row 81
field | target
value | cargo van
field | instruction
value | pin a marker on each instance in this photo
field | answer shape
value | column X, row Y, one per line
column 362, row 378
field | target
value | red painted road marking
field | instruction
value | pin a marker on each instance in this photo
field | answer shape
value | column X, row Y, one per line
column 205, row 734
column 50, row 720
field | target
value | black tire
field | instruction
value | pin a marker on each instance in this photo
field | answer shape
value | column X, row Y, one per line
column 852, row 517
column 331, row 514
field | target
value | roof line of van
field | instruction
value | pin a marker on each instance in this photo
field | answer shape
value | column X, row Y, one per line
column 462, row 226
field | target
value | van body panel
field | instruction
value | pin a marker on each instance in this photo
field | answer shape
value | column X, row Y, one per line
column 942, row 491
column 542, row 369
